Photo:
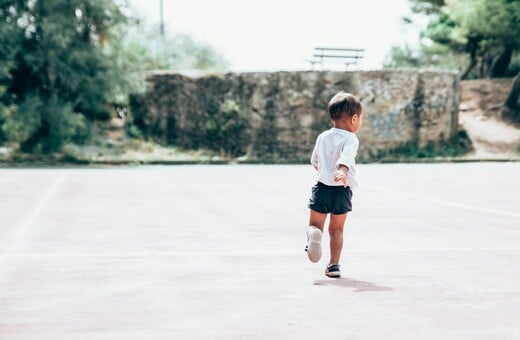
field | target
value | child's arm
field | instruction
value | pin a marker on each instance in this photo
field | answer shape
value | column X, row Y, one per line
column 341, row 175
column 347, row 158
column 314, row 157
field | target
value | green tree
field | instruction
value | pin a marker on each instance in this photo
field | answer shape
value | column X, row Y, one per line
column 433, row 56
column 9, row 48
column 56, row 69
column 427, row 6
column 486, row 30
column 511, row 106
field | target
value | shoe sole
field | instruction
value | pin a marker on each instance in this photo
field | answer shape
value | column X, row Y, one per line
column 334, row 275
column 314, row 245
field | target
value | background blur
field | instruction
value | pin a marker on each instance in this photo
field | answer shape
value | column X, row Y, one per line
column 68, row 69
column 276, row 35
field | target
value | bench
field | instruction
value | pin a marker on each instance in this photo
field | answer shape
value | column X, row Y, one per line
column 348, row 56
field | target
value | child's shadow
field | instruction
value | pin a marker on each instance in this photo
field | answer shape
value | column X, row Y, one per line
column 361, row 286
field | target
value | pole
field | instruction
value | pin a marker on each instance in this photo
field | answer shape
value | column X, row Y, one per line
column 162, row 18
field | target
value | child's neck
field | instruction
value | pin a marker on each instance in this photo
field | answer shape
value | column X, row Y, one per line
column 342, row 125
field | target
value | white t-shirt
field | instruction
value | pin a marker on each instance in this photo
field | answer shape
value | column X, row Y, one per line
column 333, row 148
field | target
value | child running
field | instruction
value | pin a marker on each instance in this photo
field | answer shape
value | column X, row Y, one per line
column 334, row 157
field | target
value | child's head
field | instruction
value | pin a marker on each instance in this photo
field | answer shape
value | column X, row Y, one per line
column 346, row 110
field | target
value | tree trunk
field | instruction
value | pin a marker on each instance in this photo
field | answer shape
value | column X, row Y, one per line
column 486, row 62
column 470, row 67
column 472, row 47
column 501, row 63
column 511, row 107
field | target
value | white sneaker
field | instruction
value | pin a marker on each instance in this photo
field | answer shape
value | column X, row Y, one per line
column 313, row 247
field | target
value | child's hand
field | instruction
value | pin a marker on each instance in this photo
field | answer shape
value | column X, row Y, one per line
column 341, row 176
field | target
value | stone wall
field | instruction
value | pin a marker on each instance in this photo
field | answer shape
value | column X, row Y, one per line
column 285, row 111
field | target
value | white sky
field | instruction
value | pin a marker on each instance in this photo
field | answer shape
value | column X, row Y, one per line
column 271, row 35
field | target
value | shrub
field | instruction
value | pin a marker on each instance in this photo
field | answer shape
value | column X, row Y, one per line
column 21, row 122
column 226, row 128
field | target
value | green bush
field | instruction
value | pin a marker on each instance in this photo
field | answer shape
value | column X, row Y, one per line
column 22, row 122
column 43, row 127
column 133, row 131
column 226, row 128
column 63, row 126
column 458, row 145
column 5, row 113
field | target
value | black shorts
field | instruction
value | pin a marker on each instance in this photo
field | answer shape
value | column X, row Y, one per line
column 327, row 199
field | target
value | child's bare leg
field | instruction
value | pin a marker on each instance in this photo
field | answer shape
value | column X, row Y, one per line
column 336, row 224
column 317, row 219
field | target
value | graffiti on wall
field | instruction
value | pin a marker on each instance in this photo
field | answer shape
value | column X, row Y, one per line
column 387, row 125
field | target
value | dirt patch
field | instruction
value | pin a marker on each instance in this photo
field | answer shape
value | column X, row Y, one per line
column 480, row 115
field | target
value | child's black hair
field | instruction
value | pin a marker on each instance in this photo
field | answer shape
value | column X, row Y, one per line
column 344, row 105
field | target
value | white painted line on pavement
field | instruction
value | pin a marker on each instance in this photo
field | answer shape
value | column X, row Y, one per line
column 444, row 202
column 26, row 225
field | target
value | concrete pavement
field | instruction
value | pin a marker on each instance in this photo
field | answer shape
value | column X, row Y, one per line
column 216, row 252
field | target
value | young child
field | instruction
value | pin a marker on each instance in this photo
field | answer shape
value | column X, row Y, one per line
column 334, row 158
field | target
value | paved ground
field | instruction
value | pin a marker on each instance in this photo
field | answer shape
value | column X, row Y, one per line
column 216, row 252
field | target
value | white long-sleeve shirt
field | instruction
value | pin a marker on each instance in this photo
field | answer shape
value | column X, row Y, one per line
column 335, row 147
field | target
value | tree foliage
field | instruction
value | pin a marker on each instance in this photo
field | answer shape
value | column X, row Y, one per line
column 64, row 64
column 427, row 6
column 433, row 56
column 485, row 30
column 55, row 68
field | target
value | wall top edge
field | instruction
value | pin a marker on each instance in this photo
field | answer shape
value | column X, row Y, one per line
column 195, row 75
